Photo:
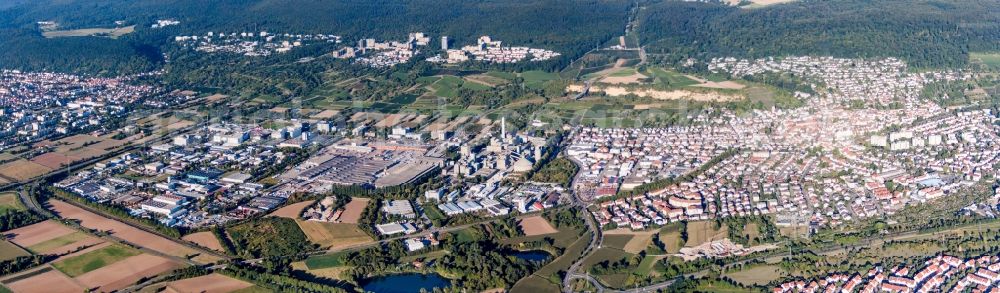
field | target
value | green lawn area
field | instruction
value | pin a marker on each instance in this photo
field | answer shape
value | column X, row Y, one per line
column 433, row 212
column 9, row 201
column 603, row 254
column 502, row 75
column 569, row 256
column 447, row 86
column 627, row 71
column 81, row 264
column 475, row 86
column 57, row 242
column 536, row 79
column 427, row 79
column 535, row 283
column 326, row 261
column 616, row 241
column 990, row 59
column 425, row 256
column 718, row 286
column 468, row 235
column 253, row 289
column 10, row 251
column 4, row 289
column 669, row 77
column 646, row 265
column 756, row 275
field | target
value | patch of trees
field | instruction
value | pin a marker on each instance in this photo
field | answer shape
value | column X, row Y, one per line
column 13, row 219
column 924, row 33
column 507, row 227
column 265, row 237
column 560, row 171
column 566, row 218
column 569, row 27
column 25, row 262
column 607, row 267
column 766, row 230
column 481, row 266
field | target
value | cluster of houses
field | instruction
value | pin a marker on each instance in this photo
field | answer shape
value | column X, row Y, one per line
column 251, row 43
column 38, row 105
column 615, row 158
column 941, row 273
column 882, row 81
column 825, row 163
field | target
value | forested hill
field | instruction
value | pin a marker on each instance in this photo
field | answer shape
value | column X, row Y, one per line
column 925, row 33
column 568, row 26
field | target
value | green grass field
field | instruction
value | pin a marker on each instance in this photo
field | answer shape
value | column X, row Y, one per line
column 537, row 79
column 569, row 256
column 468, row 235
column 81, row 264
column 326, row 261
column 10, row 251
column 756, row 275
column 57, row 242
column 603, row 254
column 616, row 241
column 990, row 59
column 475, row 86
column 534, row 284
column 9, row 201
column 669, row 77
column 627, row 71
column 646, row 265
column 502, row 75
column 447, row 86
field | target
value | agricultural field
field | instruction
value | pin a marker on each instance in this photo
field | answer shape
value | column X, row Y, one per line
column 128, row 233
column 533, row 226
column 756, row 275
column 22, row 170
column 333, row 235
column 670, row 236
column 703, row 232
column 10, row 202
column 638, row 241
column 93, row 260
column 126, row 272
column 10, row 251
column 37, row 233
column 292, row 211
column 205, row 239
column 45, row 280
column 65, row 243
column 211, row 283
column 616, row 241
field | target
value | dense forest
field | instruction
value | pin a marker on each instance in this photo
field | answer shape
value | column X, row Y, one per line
column 570, row 27
column 925, row 33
